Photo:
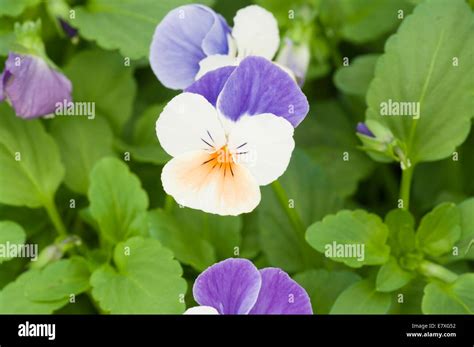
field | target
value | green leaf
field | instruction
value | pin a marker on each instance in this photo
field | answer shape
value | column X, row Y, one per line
column 355, row 78
column 108, row 83
column 10, row 234
column 33, row 221
column 410, row 301
column 81, row 306
column 82, row 142
column 329, row 137
column 362, row 298
column 402, row 231
column 59, row 280
column 31, row 167
column 7, row 37
column 117, row 201
column 10, row 270
column 196, row 238
column 431, row 79
column 355, row 238
column 311, row 195
column 439, row 230
column 14, row 301
column 466, row 242
column 464, row 247
column 361, row 21
column 452, row 298
column 144, row 146
column 146, row 280
column 323, row 287
column 14, row 8
column 392, row 277
column 304, row 10
column 127, row 25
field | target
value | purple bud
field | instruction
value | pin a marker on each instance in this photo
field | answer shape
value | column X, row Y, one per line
column 3, row 77
column 296, row 58
column 32, row 87
column 364, row 130
column 67, row 28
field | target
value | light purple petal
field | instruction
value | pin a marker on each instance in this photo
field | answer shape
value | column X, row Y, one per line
column 2, row 96
column 34, row 88
column 216, row 41
column 364, row 130
column 280, row 294
column 231, row 286
column 258, row 86
column 296, row 58
column 67, row 28
column 210, row 85
column 183, row 38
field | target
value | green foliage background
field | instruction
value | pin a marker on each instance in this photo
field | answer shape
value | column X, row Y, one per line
column 88, row 192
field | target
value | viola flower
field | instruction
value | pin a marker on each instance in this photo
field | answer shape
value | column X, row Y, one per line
column 236, row 286
column 229, row 133
column 296, row 58
column 192, row 40
column 32, row 86
column 364, row 130
column 68, row 30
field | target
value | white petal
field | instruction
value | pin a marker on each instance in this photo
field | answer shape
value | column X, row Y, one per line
column 201, row 310
column 196, row 181
column 264, row 144
column 188, row 123
column 214, row 62
column 232, row 46
column 256, row 32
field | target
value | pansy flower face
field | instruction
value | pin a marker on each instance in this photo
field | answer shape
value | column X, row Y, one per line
column 229, row 133
column 192, row 40
column 236, row 286
column 32, row 86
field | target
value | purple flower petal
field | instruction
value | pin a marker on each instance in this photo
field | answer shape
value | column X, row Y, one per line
column 216, row 41
column 258, row 86
column 183, row 38
column 296, row 58
column 281, row 295
column 2, row 95
column 231, row 286
column 33, row 87
column 364, row 130
column 67, row 28
column 210, row 85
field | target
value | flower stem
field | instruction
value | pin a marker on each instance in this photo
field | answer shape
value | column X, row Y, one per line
column 53, row 214
column 433, row 270
column 405, row 187
column 290, row 212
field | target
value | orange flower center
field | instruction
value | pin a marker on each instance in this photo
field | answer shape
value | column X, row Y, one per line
column 222, row 159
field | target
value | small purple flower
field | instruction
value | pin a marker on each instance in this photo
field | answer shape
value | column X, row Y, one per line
column 296, row 58
column 236, row 286
column 32, row 87
column 67, row 28
column 364, row 130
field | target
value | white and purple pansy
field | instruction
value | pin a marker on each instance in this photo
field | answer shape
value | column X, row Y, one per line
column 31, row 86
column 229, row 133
column 236, row 286
column 193, row 40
